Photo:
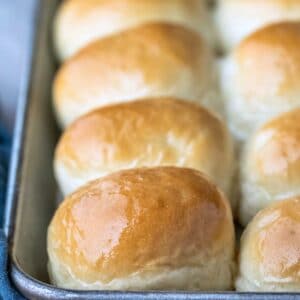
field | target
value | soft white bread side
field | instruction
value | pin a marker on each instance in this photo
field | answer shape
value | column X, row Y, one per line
column 144, row 133
column 79, row 22
column 270, row 250
column 237, row 19
column 143, row 229
column 261, row 79
column 150, row 61
column 271, row 165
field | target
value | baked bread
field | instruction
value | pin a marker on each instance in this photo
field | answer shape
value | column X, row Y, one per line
column 270, row 250
column 79, row 22
column 143, row 229
column 271, row 165
column 149, row 132
column 150, row 61
column 261, row 79
column 237, row 19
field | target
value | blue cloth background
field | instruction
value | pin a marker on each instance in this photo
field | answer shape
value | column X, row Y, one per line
column 7, row 292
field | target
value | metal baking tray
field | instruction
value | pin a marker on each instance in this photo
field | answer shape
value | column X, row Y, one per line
column 32, row 191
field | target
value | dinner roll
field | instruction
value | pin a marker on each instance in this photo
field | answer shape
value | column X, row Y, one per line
column 143, row 229
column 150, row 132
column 79, row 22
column 270, row 250
column 149, row 61
column 271, row 164
column 262, row 77
column 236, row 19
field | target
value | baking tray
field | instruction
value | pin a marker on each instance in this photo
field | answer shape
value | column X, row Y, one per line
column 32, row 191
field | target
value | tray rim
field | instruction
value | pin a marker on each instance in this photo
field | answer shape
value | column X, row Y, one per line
column 39, row 288
column 30, row 286
column 19, row 132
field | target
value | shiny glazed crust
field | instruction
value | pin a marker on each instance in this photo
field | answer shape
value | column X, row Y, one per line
column 261, row 79
column 271, row 164
column 270, row 250
column 149, row 132
column 78, row 22
column 150, row 61
column 150, row 227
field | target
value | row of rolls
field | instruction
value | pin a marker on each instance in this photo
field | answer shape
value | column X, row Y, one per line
column 180, row 119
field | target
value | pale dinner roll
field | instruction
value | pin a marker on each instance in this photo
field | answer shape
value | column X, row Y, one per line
column 261, row 79
column 143, row 229
column 271, row 165
column 236, row 19
column 270, row 250
column 149, row 61
column 145, row 133
column 79, row 22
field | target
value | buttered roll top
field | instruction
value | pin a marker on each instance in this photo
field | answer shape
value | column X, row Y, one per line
column 270, row 250
column 149, row 132
column 80, row 22
column 261, row 79
column 154, row 60
column 143, row 229
column 238, row 19
column 271, row 164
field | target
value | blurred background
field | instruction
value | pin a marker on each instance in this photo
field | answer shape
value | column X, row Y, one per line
column 15, row 18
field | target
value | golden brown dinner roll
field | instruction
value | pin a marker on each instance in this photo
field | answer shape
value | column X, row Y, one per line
column 143, row 229
column 236, row 19
column 271, row 164
column 151, row 132
column 270, row 250
column 150, row 61
column 79, row 22
column 262, row 77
